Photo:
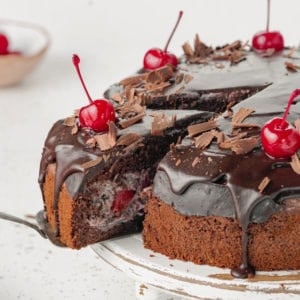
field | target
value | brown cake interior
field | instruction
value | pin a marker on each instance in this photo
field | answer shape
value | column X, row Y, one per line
column 216, row 240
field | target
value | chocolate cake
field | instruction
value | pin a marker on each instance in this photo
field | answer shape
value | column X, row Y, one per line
column 219, row 199
column 91, row 182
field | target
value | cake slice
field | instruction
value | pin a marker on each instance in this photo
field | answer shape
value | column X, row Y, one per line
column 219, row 199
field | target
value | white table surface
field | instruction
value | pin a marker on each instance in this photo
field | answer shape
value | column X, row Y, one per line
column 111, row 38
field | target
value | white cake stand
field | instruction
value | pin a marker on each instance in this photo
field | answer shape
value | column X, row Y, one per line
column 158, row 277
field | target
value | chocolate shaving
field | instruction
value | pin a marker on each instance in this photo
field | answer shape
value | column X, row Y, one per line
column 236, row 57
column 129, row 93
column 150, row 87
column 295, row 163
column 229, row 112
column 199, row 54
column 128, row 139
column 200, row 49
column 234, row 53
column 196, row 129
column 188, row 50
column 220, row 137
column 118, row 98
column 74, row 129
column 204, row 140
column 133, row 80
column 91, row 142
column 91, row 163
column 160, row 123
column 263, row 184
column 291, row 67
column 227, row 142
column 107, row 140
column 241, row 115
column 70, row 121
column 159, row 75
column 133, row 120
column 236, row 45
column 244, row 146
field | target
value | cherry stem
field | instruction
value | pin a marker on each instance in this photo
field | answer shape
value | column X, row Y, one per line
column 293, row 95
column 76, row 61
column 268, row 16
column 173, row 31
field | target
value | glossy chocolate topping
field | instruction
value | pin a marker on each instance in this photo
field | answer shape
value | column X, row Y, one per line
column 223, row 183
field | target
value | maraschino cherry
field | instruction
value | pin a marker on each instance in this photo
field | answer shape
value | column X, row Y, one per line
column 278, row 137
column 268, row 40
column 98, row 113
column 156, row 57
column 3, row 44
column 121, row 201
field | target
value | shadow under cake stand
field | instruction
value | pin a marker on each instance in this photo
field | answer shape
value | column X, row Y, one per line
column 158, row 277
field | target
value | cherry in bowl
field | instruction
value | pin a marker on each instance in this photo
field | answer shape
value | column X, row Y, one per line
column 23, row 45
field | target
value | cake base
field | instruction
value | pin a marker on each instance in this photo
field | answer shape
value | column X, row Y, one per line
column 217, row 241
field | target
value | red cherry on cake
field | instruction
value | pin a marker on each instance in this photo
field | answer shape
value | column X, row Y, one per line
column 278, row 137
column 98, row 113
column 156, row 57
column 3, row 44
column 268, row 40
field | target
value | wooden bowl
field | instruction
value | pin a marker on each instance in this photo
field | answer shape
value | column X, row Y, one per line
column 28, row 44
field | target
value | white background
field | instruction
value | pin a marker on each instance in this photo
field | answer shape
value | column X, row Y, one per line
column 111, row 38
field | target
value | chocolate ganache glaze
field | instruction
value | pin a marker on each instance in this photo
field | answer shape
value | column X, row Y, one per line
column 218, row 182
